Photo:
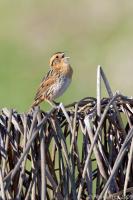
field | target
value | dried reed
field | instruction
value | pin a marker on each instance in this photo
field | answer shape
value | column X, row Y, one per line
column 80, row 151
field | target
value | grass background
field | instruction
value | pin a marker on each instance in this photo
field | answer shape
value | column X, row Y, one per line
column 90, row 32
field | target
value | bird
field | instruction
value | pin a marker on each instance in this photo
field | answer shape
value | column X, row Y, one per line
column 56, row 80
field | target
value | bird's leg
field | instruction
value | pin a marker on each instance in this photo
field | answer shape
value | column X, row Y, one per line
column 51, row 103
column 56, row 103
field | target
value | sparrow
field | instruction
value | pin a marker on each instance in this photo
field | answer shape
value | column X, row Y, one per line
column 56, row 81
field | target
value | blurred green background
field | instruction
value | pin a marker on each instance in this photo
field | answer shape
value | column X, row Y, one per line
column 90, row 32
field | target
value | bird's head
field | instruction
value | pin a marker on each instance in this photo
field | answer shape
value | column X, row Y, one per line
column 58, row 59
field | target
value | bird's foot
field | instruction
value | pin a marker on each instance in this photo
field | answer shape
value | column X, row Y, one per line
column 55, row 103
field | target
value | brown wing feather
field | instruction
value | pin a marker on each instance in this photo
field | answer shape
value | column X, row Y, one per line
column 44, row 86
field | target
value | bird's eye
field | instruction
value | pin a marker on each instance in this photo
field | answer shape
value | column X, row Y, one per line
column 57, row 57
column 63, row 56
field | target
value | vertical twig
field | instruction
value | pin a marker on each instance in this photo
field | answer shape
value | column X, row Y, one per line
column 99, row 90
column 2, row 191
column 43, row 161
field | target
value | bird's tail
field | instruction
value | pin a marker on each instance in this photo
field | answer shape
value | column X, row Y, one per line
column 34, row 104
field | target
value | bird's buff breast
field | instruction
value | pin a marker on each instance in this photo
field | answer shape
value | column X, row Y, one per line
column 60, row 87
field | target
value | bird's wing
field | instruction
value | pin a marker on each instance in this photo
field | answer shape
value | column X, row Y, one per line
column 45, row 84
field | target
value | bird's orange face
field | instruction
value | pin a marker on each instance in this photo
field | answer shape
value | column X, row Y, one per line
column 58, row 59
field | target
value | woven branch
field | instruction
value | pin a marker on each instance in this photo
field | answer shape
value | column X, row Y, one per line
column 80, row 151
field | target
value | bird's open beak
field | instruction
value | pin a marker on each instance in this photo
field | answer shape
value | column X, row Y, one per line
column 66, row 59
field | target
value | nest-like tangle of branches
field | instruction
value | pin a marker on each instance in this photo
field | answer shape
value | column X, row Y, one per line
column 80, row 151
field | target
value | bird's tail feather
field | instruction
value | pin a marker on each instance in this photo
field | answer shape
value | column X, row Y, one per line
column 34, row 104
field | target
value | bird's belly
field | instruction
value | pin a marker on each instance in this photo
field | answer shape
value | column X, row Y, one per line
column 61, row 86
